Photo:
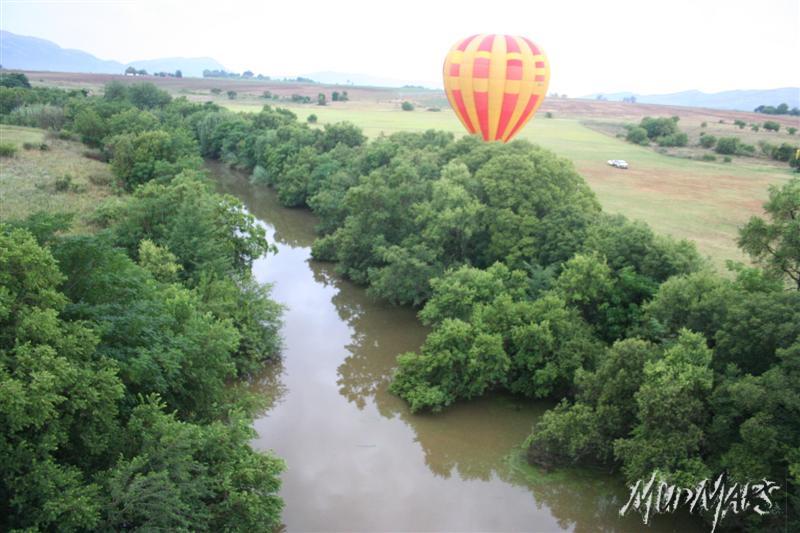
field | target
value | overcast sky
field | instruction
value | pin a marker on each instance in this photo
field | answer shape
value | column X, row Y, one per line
column 606, row 46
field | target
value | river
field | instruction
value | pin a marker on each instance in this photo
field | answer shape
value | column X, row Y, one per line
column 357, row 459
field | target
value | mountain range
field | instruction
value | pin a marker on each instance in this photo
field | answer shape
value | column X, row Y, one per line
column 31, row 53
column 741, row 100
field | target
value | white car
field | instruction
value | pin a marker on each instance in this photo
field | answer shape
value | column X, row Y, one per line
column 618, row 163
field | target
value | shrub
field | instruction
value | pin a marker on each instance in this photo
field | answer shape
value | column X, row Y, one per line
column 44, row 147
column 746, row 149
column 548, row 115
column 638, row 135
column 727, row 145
column 766, row 148
column 703, row 125
column 754, row 127
column 675, row 139
column 726, row 159
column 8, row 150
column 708, row 157
column 216, row 91
column 784, row 152
column 64, row 183
column 708, row 141
column 791, row 130
column 312, row 119
column 434, row 109
column 43, row 116
column 30, row 146
column 100, row 179
column 232, row 95
column 771, row 125
column 407, row 106
column 740, row 123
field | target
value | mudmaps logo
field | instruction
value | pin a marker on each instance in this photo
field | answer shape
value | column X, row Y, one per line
column 659, row 497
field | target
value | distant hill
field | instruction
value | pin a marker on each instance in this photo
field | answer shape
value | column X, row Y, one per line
column 741, row 100
column 31, row 53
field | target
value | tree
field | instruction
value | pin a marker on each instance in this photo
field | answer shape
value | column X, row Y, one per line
column 671, row 419
column 147, row 96
column 59, row 403
column 247, row 74
column 775, row 244
column 178, row 74
column 14, row 79
column 605, row 410
column 141, row 157
column 407, row 106
column 335, row 96
column 637, row 135
column 141, row 72
column 321, row 100
column 115, row 91
column 131, row 70
column 232, row 95
column 659, row 127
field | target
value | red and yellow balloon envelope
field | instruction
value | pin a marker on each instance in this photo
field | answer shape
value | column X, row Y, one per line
column 495, row 83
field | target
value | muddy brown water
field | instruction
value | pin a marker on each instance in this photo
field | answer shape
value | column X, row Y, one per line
column 357, row 459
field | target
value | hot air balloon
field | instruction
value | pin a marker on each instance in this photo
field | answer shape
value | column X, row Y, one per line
column 495, row 83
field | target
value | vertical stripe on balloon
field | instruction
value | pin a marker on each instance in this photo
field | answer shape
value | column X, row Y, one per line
column 509, row 103
column 482, row 107
column 461, row 109
column 526, row 114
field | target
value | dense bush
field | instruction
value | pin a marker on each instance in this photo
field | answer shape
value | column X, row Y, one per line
column 708, row 141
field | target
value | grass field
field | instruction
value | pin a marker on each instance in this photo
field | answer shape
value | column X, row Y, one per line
column 676, row 195
column 60, row 179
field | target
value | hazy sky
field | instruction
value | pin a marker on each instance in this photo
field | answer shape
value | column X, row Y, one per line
column 613, row 45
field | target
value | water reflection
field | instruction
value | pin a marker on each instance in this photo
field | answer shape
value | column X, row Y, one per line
column 358, row 459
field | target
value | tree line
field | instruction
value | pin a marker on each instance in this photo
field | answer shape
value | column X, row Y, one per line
column 118, row 348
